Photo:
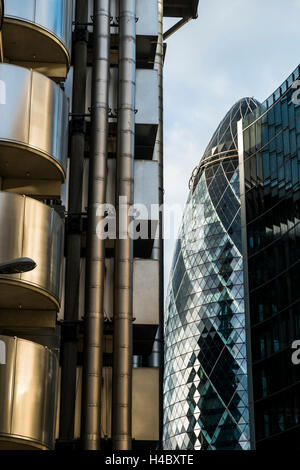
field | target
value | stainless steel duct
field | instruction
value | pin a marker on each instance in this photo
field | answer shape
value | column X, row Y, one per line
column 73, row 239
column 122, row 344
column 159, row 150
column 95, row 267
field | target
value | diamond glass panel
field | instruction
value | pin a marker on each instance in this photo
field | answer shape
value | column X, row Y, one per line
column 205, row 383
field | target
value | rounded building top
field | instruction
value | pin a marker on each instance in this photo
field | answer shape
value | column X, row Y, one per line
column 224, row 142
column 225, row 137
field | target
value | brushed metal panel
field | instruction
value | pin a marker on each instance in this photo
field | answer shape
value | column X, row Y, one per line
column 16, row 104
column 56, row 16
column 145, row 399
column 56, row 254
column 49, row 14
column 43, row 239
column 28, row 384
column 7, row 384
column 147, row 97
column 50, row 399
column 52, row 15
column 146, row 292
column 145, row 403
column 147, row 14
column 29, row 391
column 12, row 221
column 34, row 230
column 37, row 241
column 44, row 120
column 145, row 185
column 34, row 134
column 20, row 9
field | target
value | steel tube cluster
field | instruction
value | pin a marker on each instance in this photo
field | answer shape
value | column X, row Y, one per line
column 122, row 344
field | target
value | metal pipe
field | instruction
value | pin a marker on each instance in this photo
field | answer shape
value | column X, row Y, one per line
column 95, row 269
column 73, row 239
column 159, row 149
column 122, row 345
column 176, row 27
column 1, row 24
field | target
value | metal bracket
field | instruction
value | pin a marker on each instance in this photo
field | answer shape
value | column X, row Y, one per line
column 74, row 223
column 76, row 23
column 114, row 23
column 81, row 32
column 117, row 22
column 78, row 123
column 112, row 114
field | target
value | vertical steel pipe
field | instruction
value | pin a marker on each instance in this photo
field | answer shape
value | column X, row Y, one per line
column 95, row 268
column 73, row 239
column 1, row 24
column 122, row 344
column 159, row 150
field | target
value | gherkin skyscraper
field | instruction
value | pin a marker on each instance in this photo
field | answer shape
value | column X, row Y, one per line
column 206, row 400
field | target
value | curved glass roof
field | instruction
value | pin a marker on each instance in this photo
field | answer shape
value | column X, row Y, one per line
column 224, row 142
column 225, row 136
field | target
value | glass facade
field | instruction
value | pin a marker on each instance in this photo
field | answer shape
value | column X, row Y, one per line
column 271, row 140
column 205, row 382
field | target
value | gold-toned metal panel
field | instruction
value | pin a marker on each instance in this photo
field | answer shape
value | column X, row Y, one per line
column 30, row 372
column 28, row 398
column 12, row 221
column 50, row 189
column 30, row 229
column 145, row 402
column 7, row 385
column 37, row 240
column 33, row 137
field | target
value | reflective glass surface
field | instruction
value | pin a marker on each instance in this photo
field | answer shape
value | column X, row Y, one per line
column 205, row 383
column 272, row 186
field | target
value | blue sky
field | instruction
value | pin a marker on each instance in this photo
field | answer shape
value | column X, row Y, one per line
column 235, row 48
